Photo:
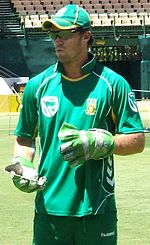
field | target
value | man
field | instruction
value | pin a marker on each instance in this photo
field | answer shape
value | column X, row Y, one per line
column 84, row 113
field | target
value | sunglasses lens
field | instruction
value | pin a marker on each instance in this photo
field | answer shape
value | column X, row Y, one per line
column 61, row 34
column 65, row 34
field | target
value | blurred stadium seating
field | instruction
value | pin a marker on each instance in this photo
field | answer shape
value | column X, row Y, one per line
column 93, row 6
column 116, row 26
column 111, row 20
column 30, row 14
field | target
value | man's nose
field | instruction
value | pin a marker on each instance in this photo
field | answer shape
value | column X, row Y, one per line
column 58, row 39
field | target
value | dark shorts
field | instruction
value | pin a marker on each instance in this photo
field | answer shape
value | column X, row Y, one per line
column 88, row 230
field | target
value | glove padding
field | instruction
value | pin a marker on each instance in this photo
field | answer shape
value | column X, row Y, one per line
column 25, row 176
column 81, row 146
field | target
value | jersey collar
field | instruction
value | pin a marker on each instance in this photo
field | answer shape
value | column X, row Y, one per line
column 86, row 68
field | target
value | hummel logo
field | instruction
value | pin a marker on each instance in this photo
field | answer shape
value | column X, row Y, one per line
column 108, row 234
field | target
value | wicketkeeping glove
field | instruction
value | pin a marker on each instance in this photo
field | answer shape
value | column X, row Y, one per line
column 80, row 146
column 25, row 176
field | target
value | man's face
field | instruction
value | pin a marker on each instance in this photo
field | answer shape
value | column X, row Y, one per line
column 68, row 44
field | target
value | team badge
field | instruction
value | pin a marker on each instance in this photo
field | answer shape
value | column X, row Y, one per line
column 132, row 102
column 49, row 105
column 91, row 106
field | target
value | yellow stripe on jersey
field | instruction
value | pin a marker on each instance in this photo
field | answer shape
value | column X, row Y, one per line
column 113, row 117
column 75, row 79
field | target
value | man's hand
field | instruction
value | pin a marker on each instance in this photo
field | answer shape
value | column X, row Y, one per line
column 25, row 176
column 81, row 146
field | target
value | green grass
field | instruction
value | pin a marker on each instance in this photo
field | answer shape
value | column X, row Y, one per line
column 132, row 192
column 16, row 207
column 133, row 197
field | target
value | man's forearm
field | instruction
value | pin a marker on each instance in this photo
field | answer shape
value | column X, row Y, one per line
column 126, row 144
column 24, row 147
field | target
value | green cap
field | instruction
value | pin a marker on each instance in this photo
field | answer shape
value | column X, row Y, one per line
column 68, row 17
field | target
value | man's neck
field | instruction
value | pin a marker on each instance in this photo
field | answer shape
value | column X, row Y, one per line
column 74, row 70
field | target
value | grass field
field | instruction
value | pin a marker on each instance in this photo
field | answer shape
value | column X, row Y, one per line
column 133, row 197
column 132, row 192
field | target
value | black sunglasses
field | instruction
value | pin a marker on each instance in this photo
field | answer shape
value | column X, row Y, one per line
column 65, row 34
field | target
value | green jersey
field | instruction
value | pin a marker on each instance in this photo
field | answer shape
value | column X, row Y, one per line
column 100, row 99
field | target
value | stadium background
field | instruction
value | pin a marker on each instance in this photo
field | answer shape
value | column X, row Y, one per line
column 122, row 41
column 121, row 30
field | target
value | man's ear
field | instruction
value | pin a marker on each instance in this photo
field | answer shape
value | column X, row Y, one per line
column 87, row 36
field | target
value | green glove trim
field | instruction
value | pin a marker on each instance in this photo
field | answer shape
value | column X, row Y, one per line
column 81, row 146
column 104, row 143
column 24, row 162
column 29, row 186
column 66, row 132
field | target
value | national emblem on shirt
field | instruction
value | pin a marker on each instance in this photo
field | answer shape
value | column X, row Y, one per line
column 91, row 106
column 49, row 105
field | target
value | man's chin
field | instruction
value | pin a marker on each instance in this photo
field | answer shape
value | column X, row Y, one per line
column 60, row 55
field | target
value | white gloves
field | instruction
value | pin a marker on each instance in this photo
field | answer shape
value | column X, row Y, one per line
column 25, row 176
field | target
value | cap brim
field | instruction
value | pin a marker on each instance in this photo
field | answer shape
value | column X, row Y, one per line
column 59, row 23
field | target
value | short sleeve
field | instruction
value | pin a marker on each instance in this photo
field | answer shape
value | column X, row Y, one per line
column 127, row 117
column 27, row 123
